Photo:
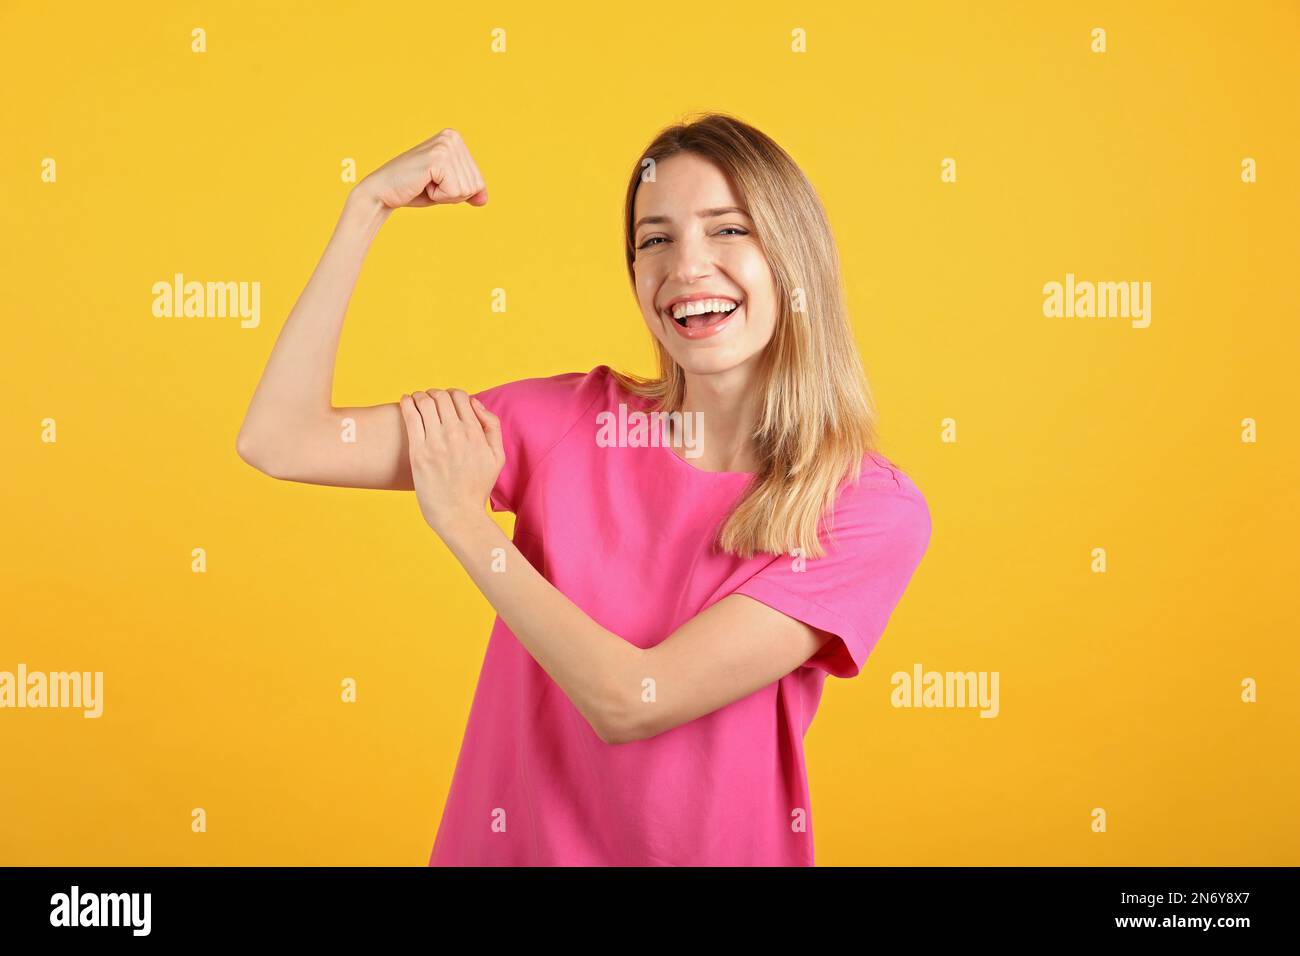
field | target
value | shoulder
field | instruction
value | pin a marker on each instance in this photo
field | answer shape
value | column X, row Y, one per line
column 561, row 396
column 878, row 472
column 556, row 387
column 883, row 500
column 537, row 414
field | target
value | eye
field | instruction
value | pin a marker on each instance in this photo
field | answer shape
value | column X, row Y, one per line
column 737, row 230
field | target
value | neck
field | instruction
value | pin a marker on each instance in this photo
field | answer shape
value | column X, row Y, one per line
column 727, row 404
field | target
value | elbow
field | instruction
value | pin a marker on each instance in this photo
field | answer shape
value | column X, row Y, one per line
column 631, row 718
column 251, row 453
column 616, row 734
column 615, row 731
column 244, row 448
column 617, row 718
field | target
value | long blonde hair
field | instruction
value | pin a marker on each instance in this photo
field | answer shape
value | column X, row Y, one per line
column 817, row 419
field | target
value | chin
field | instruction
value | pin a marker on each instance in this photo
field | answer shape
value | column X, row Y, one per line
column 706, row 361
column 731, row 349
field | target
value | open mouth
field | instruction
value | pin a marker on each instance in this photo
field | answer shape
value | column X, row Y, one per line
column 702, row 314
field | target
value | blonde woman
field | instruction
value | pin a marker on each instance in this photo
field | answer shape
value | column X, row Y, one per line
column 693, row 553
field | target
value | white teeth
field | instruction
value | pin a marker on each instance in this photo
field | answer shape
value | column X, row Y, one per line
column 700, row 306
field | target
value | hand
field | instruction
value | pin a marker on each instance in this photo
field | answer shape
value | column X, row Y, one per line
column 456, row 455
column 438, row 171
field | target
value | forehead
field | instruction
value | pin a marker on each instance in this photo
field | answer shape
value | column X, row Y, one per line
column 684, row 183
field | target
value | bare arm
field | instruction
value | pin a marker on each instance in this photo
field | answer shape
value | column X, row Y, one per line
column 726, row 652
column 292, row 430
column 723, row 654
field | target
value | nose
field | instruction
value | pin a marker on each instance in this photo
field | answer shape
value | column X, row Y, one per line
column 691, row 259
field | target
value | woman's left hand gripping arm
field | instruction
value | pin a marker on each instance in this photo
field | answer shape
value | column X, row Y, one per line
column 456, row 455
column 724, row 653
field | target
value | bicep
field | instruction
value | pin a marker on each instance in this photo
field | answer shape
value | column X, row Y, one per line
column 723, row 654
column 352, row 447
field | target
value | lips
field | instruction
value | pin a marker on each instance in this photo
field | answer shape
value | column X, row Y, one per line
column 697, row 297
column 706, row 325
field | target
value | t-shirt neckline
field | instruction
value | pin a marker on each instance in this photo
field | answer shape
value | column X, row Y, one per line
column 645, row 403
column 668, row 450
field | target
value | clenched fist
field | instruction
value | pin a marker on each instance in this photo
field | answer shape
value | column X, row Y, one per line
column 438, row 171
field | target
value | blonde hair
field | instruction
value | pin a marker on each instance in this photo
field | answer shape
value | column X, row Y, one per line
column 817, row 418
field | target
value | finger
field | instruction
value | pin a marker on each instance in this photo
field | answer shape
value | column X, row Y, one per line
column 435, row 425
column 411, row 417
column 428, row 410
column 441, row 193
column 455, row 187
column 466, row 411
column 446, row 190
column 446, row 410
column 491, row 428
column 470, row 180
column 477, row 186
column 464, row 173
column 439, row 178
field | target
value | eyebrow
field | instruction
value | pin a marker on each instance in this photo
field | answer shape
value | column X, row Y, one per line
column 702, row 214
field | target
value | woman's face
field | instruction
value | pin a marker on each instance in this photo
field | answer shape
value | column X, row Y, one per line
column 695, row 248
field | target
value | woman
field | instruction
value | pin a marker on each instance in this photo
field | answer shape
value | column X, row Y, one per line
column 676, row 592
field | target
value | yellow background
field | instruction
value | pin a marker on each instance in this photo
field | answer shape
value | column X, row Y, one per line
column 1118, row 690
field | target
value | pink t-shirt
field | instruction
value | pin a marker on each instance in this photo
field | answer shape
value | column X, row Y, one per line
column 626, row 533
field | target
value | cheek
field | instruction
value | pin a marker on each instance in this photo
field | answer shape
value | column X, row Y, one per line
column 760, row 287
column 645, row 294
column 647, row 286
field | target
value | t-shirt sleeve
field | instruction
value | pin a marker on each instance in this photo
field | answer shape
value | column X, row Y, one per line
column 880, row 532
column 535, row 414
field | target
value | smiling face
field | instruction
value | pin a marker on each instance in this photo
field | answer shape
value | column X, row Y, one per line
column 704, row 285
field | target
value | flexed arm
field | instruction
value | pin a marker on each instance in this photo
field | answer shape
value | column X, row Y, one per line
column 292, row 430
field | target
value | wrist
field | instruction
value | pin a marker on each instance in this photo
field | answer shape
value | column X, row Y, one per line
column 363, row 211
column 460, row 532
